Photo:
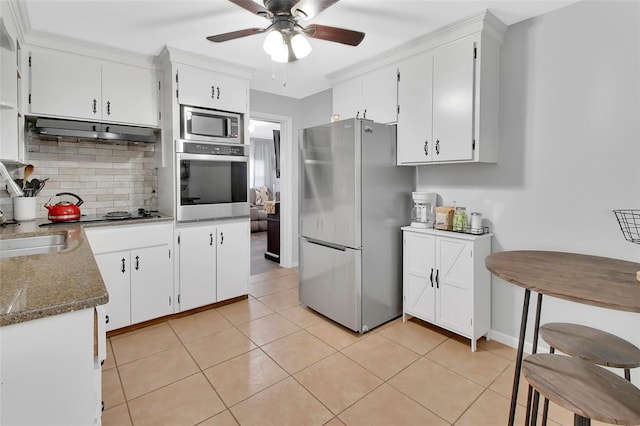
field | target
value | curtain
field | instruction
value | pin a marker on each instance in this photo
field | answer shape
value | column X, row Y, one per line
column 262, row 163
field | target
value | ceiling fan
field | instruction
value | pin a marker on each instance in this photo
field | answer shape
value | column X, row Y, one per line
column 286, row 41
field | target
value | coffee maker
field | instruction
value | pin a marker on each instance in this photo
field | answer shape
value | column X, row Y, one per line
column 423, row 213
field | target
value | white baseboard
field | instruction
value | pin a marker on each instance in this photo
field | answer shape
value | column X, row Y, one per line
column 511, row 341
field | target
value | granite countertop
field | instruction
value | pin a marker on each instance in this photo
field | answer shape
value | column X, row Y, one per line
column 42, row 285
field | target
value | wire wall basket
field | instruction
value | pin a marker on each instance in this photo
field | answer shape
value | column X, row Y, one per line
column 629, row 221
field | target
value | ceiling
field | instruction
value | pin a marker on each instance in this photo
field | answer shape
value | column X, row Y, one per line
column 145, row 26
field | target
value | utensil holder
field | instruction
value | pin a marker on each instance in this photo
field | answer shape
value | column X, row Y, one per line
column 24, row 208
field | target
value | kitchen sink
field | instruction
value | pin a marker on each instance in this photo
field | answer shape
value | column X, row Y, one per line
column 28, row 246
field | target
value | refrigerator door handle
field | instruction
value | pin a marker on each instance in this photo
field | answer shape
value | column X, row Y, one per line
column 325, row 244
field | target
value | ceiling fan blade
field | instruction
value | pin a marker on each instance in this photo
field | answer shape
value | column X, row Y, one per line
column 252, row 7
column 339, row 35
column 311, row 8
column 235, row 34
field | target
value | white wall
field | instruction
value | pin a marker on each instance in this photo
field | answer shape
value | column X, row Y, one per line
column 569, row 151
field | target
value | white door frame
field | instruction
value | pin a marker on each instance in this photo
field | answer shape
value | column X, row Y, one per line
column 286, row 183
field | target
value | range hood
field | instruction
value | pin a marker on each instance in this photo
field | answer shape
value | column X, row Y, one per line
column 91, row 130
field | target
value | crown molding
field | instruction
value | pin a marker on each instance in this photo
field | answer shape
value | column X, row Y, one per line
column 175, row 55
column 485, row 21
column 20, row 18
column 86, row 48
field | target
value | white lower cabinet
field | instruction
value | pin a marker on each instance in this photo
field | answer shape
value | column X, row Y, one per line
column 137, row 267
column 213, row 261
column 233, row 260
column 50, row 370
column 196, row 251
column 445, row 282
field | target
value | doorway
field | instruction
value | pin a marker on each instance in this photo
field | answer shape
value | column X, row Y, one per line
column 270, row 200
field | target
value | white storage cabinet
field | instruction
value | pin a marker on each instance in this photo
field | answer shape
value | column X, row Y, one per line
column 11, row 116
column 73, row 86
column 209, row 89
column 51, row 372
column 136, row 264
column 448, row 103
column 445, row 282
column 213, row 262
column 373, row 95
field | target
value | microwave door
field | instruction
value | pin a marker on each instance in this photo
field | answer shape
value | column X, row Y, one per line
column 208, row 125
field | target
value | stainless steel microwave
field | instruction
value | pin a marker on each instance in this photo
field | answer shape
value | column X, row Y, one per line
column 209, row 125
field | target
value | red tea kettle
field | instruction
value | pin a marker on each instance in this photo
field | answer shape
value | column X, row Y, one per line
column 64, row 211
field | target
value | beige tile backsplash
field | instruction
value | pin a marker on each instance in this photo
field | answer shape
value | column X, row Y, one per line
column 107, row 176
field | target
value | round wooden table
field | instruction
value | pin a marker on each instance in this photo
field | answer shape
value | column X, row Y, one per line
column 591, row 280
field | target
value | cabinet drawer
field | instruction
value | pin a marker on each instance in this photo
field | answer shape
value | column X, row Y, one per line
column 116, row 238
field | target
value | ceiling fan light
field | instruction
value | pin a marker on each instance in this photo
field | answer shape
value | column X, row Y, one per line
column 300, row 45
column 281, row 54
column 273, row 42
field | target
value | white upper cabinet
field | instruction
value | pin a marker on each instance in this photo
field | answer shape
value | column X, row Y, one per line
column 209, row 89
column 415, row 133
column 453, row 97
column 373, row 95
column 448, row 101
column 72, row 86
column 129, row 92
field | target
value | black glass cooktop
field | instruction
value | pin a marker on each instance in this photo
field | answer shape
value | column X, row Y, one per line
column 107, row 218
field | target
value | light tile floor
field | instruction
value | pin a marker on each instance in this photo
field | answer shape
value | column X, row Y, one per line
column 268, row 360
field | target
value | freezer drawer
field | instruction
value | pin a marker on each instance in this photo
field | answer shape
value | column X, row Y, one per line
column 330, row 282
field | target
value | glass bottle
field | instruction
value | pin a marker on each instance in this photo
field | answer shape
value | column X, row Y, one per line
column 460, row 219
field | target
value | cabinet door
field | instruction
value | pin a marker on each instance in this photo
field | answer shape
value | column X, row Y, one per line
column 151, row 283
column 419, row 275
column 380, row 95
column 47, row 371
column 197, row 267
column 233, row 260
column 129, row 95
column 231, row 93
column 65, row 85
column 115, row 269
column 347, row 98
column 415, row 142
column 196, row 87
column 208, row 89
column 455, row 284
column 453, row 100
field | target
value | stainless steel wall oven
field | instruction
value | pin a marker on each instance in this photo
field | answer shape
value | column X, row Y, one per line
column 211, row 180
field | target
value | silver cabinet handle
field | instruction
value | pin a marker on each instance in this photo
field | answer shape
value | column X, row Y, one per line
column 426, row 147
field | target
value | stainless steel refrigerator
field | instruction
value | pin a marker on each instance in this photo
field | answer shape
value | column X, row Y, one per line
column 353, row 201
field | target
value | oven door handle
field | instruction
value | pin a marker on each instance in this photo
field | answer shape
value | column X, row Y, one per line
column 214, row 157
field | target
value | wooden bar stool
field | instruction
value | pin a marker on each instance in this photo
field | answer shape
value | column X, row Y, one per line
column 589, row 391
column 592, row 345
